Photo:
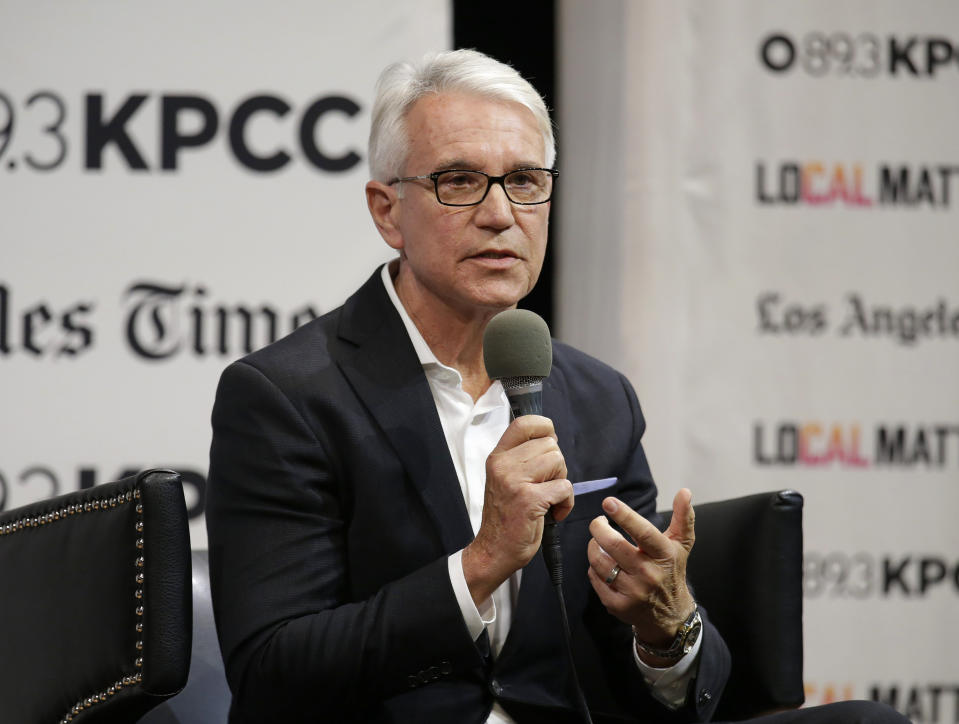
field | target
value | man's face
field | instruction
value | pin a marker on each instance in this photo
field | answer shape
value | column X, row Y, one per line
column 480, row 258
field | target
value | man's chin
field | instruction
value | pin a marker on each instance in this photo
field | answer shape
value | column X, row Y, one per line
column 498, row 300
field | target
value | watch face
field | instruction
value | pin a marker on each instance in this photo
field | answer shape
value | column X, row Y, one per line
column 692, row 636
column 686, row 638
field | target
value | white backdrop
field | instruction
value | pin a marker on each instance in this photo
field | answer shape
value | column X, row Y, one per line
column 134, row 230
column 759, row 225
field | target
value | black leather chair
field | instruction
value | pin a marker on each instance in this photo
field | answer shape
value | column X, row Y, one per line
column 206, row 697
column 746, row 570
column 95, row 613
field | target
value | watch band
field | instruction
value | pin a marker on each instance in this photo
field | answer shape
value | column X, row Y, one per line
column 686, row 637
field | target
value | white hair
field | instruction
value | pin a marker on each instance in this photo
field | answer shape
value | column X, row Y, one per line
column 461, row 71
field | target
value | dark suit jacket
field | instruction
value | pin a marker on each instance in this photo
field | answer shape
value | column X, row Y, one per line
column 333, row 505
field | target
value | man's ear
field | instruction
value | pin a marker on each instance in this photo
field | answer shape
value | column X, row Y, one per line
column 384, row 208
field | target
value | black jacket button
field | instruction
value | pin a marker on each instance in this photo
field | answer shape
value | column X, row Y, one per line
column 705, row 697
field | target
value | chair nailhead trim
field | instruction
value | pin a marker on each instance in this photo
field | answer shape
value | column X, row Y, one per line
column 97, row 505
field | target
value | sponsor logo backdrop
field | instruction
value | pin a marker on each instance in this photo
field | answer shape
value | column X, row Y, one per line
column 181, row 185
column 782, row 266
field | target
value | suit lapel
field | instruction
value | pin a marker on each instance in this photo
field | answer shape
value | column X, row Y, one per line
column 381, row 366
column 556, row 408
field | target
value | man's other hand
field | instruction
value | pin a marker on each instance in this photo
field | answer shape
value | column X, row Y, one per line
column 649, row 591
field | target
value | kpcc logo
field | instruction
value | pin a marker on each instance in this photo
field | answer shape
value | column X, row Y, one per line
column 186, row 123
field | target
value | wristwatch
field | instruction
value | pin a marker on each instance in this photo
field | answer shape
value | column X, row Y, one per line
column 685, row 639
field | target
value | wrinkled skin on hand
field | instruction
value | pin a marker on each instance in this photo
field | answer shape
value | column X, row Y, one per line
column 525, row 479
column 650, row 591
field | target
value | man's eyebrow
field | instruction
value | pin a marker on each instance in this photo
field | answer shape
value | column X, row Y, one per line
column 457, row 163
column 464, row 165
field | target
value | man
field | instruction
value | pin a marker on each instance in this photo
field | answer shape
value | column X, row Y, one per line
column 374, row 515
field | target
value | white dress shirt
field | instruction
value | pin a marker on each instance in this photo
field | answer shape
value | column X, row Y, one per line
column 472, row 431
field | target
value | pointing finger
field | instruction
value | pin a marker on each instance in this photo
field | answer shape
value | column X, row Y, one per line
column 682, row 526
column 644, row 534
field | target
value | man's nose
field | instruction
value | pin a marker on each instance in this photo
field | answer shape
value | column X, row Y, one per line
column 496, row 209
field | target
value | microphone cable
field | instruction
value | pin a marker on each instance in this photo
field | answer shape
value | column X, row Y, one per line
column 517, row 350
column 553, row 556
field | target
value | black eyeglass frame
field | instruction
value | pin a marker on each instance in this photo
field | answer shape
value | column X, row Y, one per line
column 490, row 180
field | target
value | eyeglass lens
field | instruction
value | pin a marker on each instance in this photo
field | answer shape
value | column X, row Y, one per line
column 526, row 186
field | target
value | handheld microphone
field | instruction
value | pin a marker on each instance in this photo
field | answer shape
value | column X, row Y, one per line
column 518, row 352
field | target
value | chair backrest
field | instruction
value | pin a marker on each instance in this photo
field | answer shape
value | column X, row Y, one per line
column 95, row 613
column 206, row 697
column 746, row 570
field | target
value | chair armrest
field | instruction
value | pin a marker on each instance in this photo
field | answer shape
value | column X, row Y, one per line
column 96, row 613
column 746, row 570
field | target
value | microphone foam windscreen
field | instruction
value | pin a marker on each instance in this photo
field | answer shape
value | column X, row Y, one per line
column 516, row 343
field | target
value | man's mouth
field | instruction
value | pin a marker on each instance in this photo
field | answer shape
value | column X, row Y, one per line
column 495, row 255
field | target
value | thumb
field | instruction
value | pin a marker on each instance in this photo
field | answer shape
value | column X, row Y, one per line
column 682, row 526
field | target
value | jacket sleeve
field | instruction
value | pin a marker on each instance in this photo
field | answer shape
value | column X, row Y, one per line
column 295, row 645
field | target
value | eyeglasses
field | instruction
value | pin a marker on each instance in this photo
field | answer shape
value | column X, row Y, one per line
column 456, row 187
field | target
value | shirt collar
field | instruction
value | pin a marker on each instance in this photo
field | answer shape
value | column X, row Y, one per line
column 423, row 351
column 436, row 371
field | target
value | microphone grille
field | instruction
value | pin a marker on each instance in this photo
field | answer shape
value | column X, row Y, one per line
column 510, row 383
column 517, row 343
